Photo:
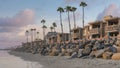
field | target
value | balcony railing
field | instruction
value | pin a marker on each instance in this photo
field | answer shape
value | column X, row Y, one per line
column 95, row 31
column 112, row 28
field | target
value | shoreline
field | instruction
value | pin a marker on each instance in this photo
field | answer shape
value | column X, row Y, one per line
column 64, row 62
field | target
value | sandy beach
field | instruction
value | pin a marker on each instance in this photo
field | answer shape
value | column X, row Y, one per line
column 64, row 62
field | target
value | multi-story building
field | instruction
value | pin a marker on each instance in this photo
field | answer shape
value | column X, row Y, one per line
column 109, row 26
column 50, row 37
column 112, row 26
column 76, row 34
column 86, row 33
column 53, row 38
column 64, row 38
column 97, row 29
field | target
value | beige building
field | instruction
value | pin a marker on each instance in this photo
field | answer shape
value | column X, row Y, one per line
column 112, row 26
column 109, row 26
column 53, row 38
column 76, row 34
column 86, row 33
column 64, row 39
column 96, row 29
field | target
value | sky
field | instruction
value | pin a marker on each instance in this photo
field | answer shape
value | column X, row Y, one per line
column 17, row 16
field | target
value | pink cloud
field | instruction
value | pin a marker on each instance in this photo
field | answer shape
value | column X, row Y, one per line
column 11, row 26
column 22, row 18
column 112, row 9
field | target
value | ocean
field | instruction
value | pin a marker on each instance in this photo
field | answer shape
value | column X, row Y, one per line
column 10, row 61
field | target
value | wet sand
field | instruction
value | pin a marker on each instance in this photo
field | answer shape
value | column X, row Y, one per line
column 64, row 62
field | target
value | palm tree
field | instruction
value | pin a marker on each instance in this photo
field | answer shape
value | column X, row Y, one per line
column 61, row 10
column 27, row 33
column 44, row 27
column 68, row 9
column 73, row 9
column 43, row 22
column 31, row 35
column 83, row 4
column 37, row 36
column 54, row 26
column 34, row 34
column 51, row 28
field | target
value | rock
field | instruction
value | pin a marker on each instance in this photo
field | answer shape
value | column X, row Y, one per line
column 98, row 46
column 107, row 55
column 54, row 54
column 116, row 56
column 61, row 54
column 111, row 49
column 92, row 54
column 86, row 51
column 118, row 49
column 69, row 50
column 67, row 54
column 99, row 53
column 80, row 53
column 74, row 55
column 107, row 45
column 63, row 50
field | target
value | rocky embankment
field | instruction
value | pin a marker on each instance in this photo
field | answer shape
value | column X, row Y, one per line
column 106, row 49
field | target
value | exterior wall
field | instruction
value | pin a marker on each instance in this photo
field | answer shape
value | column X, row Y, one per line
column 86, row 33
column 97, row 30
column 76, row 34
column 112, row 27
column 63, row 39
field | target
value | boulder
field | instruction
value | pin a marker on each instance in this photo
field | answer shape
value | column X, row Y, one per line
column 118, row 49
column 53, row 54
column 92, row 54
column 99, row 53
column 107, row 45
column 107, row 55
column 80, row 53
column 67, row 54
column 111, row 49
column 61, row 54
column 74, row 55
column 98, row 46
column 86, row 51
column 116, row 56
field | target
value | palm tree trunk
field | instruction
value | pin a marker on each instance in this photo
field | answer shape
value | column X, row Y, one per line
column 31, row 36
column 27, row 38
column 43, row 34
column 61, row 27
column 34, row 35
column 83, row 16
column 54, row 29
column 74, row 20
column 69, row 25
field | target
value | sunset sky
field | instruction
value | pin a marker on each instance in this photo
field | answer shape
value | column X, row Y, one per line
column 17, row 16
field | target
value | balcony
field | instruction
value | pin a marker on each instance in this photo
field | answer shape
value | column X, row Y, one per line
column 112, row 28
column 95, row 31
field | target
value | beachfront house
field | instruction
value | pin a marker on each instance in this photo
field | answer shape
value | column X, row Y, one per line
column 112, row 26
column 76, row 34
column 97, row 29
column 86, row 33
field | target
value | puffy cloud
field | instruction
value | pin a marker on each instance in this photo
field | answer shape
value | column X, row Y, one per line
column 10, row 28
column 112, row 9
column 22, row 18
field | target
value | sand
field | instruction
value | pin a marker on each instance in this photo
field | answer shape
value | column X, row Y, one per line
column 64, row 62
